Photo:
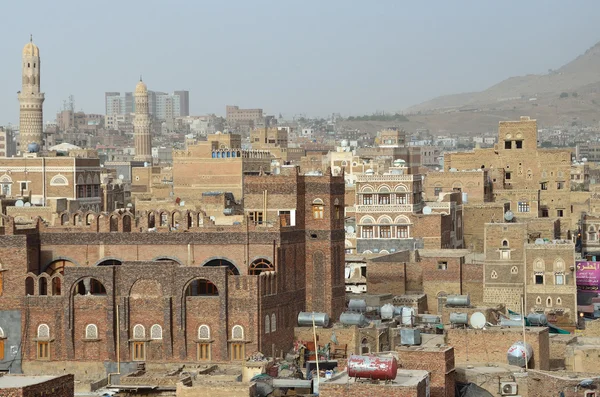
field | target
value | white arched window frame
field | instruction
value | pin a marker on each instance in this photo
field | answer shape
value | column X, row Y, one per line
column 203, row 332
column 139, row 332
column 267, row 324
column 43, row 331
column 2, row 333
column 59, row 180
column 273, row 323
column 156, row 332
column 237, row 332
column 91, row 331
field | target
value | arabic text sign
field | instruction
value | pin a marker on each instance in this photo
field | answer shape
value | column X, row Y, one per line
column 588, row 274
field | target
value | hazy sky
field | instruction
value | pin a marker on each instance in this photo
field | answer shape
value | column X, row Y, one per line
column 290, row 57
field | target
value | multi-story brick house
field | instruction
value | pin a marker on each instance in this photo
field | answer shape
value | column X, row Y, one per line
column 391, row 214
column 102, row 289
column 534, row 182
column 515, row 268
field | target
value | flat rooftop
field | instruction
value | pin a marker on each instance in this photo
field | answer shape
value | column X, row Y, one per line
column 404, row 378
column 497, row 329
column 15, row 381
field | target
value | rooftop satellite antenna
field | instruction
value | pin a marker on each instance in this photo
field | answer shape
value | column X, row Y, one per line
column 477, row 320
column 509, row 216
column 426, row 210
column 19, row 203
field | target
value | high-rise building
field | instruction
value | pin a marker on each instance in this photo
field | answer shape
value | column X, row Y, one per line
column 31, row 101
column 161, row 105
column 141, row 124
column 184, row 102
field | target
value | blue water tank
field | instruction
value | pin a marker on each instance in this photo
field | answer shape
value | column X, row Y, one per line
column 33, row 147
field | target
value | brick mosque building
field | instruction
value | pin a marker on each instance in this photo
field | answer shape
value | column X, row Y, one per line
column 158, row 287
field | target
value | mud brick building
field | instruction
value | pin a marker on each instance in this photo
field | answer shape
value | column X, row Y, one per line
column 108, row 287
column 534, row 182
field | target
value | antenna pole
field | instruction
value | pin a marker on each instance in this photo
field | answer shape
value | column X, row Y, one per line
column 524, row 343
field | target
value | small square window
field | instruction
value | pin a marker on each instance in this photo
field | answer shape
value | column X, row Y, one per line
column 559, row 279
column 507, row 144
column 559, row 213
column 519, row 144
column 508, row 175
column 560, row 185
column 544, row 186
column 442, row 265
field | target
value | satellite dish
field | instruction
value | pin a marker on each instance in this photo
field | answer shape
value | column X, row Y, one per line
column 145, row 163
column 121, row 177
column 427, row 210
column 27, row 205
column 508, row 216
column 477, row 320
column 540, row 241
column 350, row 229
column 19, row 203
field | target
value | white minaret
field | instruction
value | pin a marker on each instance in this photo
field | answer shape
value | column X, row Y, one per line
column 31, row 120
column 141, row 124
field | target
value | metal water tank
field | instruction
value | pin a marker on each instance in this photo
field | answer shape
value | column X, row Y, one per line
column 398, row 310
column 387, row 311
column 519, row 353
column 430, row 319
column 407, row 315
column 459, row 318
column 305, row 319
column 372, row 367
column 537, row 319
column 357, row 305
column 509, row 322
column 353, row 319
column 410, row 336
column 458, row 300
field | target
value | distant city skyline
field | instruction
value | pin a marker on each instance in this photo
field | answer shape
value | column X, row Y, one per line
column 311, row 58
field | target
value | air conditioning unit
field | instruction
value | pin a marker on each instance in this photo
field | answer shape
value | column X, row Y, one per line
column 508, row 388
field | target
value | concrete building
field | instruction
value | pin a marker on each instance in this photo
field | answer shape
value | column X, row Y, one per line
column 8, row 143
column 31, row 100
column 141, row 125
column 184, row 102
column 161, row 105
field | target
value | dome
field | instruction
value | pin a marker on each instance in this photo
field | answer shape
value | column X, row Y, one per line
column 141, row 88
column 31, row 49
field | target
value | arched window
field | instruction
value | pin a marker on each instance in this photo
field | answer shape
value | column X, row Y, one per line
column 29, row 286
column 538, row 300
column 514, row 270
column 203, row 332
column 91, row 331
column 364, row 346
column 260, row 265
column 549, row 302
column 494, row 274
column 42, row 286
column 318, row 208
column 2, row 333
column 558, row 301
column 139, row 332
column 237, row 332
column 201, row 287
column 505, row 243
column 43, row 331
column 267, row 324
column 273, row 323
column 232, row 269
column 156, row 332
column 59, row 180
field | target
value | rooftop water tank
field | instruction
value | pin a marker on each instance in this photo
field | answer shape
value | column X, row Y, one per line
column 459, row 318
column 407, row 315
column 372, row 367
column 387, row 311
column 537, row 319
column 358, row 319
column 519, row 354
column 458, row 300
column 357, row 305
column 305, row 319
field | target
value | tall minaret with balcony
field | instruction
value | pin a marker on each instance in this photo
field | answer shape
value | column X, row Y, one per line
column 141, row 124
column 31, row 100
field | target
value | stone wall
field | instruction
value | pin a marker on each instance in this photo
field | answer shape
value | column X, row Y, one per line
column 62, row 386
column 439, row 362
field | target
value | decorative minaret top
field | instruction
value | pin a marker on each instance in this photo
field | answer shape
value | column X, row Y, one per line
column 31, row 101
column 141, row 124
